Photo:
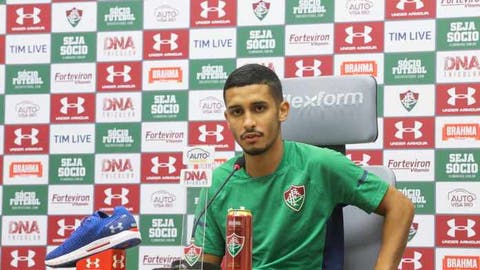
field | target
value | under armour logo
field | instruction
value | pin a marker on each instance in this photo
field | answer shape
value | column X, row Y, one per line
column 66, row 105
column 91, row 264
column 118, row 261
column 204, row 133
column 113, row 229
column 415, row 261
column 157, row 165
column 454, row 227
column 17, row 258
column 21, row 136
column 159, row 42
column 62, row 227
column 125, row 73
column 415, row 129
column 452, row 92
column 207, row 9
column 365, row 34
column 363, row 162
column 418, row 4
column 22, row 15
column 301, row 68
column 110, row 196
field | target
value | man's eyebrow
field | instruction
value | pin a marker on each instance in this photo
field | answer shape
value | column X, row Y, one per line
column 233, row 107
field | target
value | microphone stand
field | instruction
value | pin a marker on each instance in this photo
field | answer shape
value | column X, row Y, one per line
column 201, row 265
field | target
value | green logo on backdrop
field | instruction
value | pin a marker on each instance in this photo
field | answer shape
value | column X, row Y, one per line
column 165, row 106
column 27, row 79
column 124, row 15
column 193, row 195
column 458, row 34
column 25, row 200
column 305, row 11
column 161, row 230
column 71, row 169
column 260, row 41
column 404, row 68
column 73, row 47
column 210, row 74
column 118, row 138
column 457, row 165
column 421, row 194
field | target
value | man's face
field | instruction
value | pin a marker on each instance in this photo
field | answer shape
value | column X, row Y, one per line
column 254, row 117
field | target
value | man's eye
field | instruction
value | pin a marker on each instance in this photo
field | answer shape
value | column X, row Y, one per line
column 236, row 112
column 259, row 108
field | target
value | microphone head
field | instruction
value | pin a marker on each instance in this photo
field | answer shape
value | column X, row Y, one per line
column 239, row 163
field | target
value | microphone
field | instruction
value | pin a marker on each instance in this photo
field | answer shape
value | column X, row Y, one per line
column 239, row 163
column 181, row 264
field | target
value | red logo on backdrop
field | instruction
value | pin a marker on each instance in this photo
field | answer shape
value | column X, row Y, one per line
column 31, row 258
column 26, row 139
column 365, row 157
column 162, row 167
column 119, row 76
column 459, row 262
column 213, row 13
column 457, row 99
column 215, row 133
column 363, row 67
column 409, row 132
column 417, row 259
column 109, row 196
column 401, row 9
column 457, row 231
column 308, row 66
column 2, row 49
column 165, row 44
column 68, row 108
column 359, row 37
column 28, row 18
column 61, row 227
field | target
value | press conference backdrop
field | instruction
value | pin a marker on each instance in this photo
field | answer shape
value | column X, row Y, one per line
column 99, row 99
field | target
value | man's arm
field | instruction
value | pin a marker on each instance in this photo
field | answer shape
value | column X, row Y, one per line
column 212, row 259
column 398, row 211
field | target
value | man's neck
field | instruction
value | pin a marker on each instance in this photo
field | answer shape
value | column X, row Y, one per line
column 266, row 163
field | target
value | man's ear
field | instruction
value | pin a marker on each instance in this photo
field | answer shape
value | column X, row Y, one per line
column 284, row 108
column 226, row 118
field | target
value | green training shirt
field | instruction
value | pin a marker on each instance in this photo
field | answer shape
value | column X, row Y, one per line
column 290, row 207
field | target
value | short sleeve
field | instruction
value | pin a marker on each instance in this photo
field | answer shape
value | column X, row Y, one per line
column 208, row 234
column 353, row 184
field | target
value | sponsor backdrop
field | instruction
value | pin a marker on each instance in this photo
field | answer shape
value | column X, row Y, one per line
column 98, row 101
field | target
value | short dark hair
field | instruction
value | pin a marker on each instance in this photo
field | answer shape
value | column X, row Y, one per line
column 255, row 74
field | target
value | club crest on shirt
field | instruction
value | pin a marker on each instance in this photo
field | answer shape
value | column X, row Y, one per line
column 294, row 197
column 192, row 254
column 235, row 244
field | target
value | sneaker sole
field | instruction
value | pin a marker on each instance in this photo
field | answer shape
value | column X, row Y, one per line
column 120, row 240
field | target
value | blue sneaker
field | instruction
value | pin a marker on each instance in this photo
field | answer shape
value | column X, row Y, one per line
column 95, row 234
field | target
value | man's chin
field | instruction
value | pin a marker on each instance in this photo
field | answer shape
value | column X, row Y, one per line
column 254, row 151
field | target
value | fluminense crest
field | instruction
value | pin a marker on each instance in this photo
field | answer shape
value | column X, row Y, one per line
column 294, row 197
column 74, row 16
column 235, row 244
column 409, row 99
column 261, row 9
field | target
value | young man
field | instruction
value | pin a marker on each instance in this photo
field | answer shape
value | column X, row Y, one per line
column 288, row 234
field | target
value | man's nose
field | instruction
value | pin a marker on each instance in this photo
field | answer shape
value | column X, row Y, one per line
column 249, row 121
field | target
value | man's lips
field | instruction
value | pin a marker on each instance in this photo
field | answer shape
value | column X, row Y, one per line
column 250, row 135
